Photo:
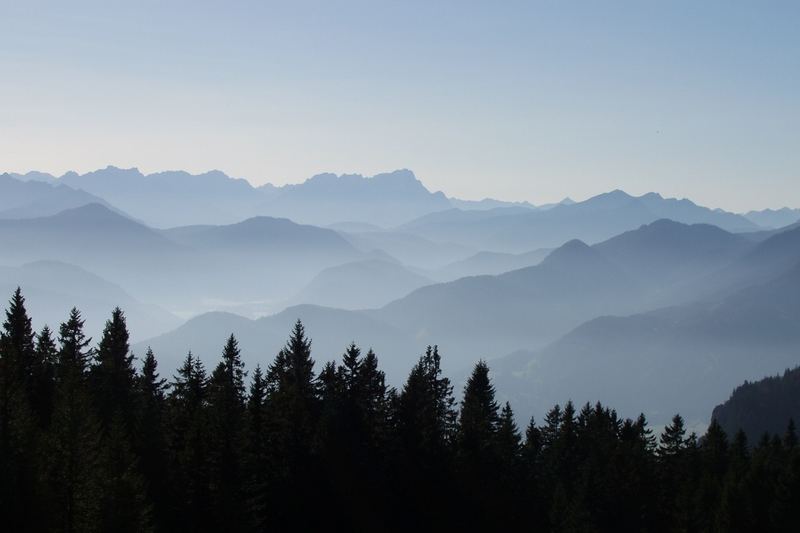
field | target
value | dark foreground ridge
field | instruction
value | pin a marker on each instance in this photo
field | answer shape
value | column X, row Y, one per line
column 88, row 442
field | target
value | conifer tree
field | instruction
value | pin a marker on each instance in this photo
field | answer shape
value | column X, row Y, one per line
column 19, row 348
column 426, row 422
column 256, row 454
column 44, row 385
column 790, row 436
column 113, row 375
column 189, row 444
column 226, row 411
column 74, row 467
column 479, row 419
column 293, row 412
column 19, row 373
column 508, row 438
column 150, row 442
column 673, row 438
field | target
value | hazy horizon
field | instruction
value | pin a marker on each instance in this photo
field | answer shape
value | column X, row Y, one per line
column 530, row 102
column 534, row 201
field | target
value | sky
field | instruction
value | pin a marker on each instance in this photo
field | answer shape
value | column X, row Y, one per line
column 512, row 100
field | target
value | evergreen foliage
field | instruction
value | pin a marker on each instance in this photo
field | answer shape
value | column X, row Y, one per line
column 91, row 443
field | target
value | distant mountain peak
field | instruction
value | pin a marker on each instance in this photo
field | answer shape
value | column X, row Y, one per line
column 569, row 252
column 652, row 195
column 93, row 210
column 611, row 199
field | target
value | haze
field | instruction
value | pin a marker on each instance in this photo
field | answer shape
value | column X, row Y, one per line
column 528, row 102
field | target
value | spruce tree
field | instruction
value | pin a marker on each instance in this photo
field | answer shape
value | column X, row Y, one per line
column 19, row 345
column 74, row 470
column 47, row 354
column 673, row 438
column 188, row 443
column 226, row 411
column 150, row 442
column 19, row 373
column 479, row 416
column 425, row 421
column 113, row 375
column 293, row 413
column 256, row 453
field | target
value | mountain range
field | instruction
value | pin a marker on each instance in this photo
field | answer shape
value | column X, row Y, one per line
column 687, row 299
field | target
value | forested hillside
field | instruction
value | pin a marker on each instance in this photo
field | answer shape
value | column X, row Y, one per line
column 762, row 406
column 95, row 439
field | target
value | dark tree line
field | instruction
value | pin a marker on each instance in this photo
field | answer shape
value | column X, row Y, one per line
column 93, row 440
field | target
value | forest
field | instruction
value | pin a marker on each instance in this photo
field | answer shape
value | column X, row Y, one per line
column 95, row 439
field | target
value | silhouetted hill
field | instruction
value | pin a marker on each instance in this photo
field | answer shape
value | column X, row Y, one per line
column 410, row 249
column 260, row 340
column 763, row 406
column 491, row 263
column 680, row 358
column 593, row 220
column 774, row 218
column 767, row 259
column 666, row 252
column 264, row 235
column 365, row 284
column 171, row 198
column 52, row 288
column 485, row 316
column 74, row 235
column 32, row 199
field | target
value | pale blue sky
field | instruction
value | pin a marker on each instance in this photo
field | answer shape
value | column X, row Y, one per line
column 517, row 100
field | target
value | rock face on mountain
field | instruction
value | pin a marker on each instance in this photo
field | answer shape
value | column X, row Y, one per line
column 384, row 199
column 177, row 198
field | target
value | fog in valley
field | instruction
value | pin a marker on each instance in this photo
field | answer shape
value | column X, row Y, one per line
column 645, row 303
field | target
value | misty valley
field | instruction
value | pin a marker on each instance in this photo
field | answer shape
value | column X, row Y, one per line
column 617, row 363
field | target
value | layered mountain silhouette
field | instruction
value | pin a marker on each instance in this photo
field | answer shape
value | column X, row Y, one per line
column 177, row 198
column 689, row 301
column 37, row 198
column 774, row 218
column 261, row 339
column 384, row 199
column 491, row 263
column 489, row 316
column 682, row 358
column 52, row 288
column 364, row 284
column 593, row 220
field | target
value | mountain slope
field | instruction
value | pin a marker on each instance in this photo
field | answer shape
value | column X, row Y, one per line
column 90, row 231
column 774, row 218
column 330, row 330
column 674, row 359
column 171, row 198
column 593, row 220
column 490, row 263
column 365, row 284
column 763, row 406
column 263, row 235
column 485, row 316
column 384, row 199
column 665, row 252
column 32, row 199
column 52, row 288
